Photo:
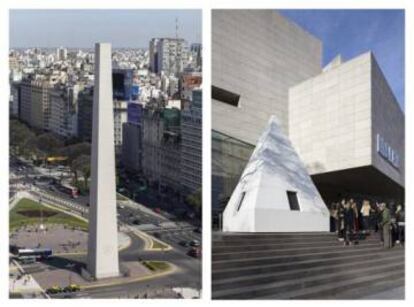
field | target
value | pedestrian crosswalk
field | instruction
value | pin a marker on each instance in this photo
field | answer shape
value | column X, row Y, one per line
column 58, row 201
column 177, row 236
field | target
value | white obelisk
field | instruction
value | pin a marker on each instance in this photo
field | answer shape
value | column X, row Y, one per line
column 103, row 236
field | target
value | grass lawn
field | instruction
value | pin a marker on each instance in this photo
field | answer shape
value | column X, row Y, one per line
column 159, row 245
column 156, row 265
column 29, row 212
column 121, row 197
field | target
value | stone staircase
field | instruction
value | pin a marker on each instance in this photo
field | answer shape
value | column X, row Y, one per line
column 302, row 266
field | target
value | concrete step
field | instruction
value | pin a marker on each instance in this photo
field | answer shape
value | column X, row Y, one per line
column 218, row 274
column 220, row 249
column 288, row 285
column 391, row 282
column 272, row 259
column 295, row 272
column 270, row 234
column 240, row 242
column 348, row 288
column 249, row 240
column 292, row 251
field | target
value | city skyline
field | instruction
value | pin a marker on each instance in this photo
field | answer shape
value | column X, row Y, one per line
column 105, row 25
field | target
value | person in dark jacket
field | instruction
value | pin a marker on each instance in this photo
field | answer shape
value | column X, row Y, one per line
column 400, row 220
column 349, row 219
column 385, row 225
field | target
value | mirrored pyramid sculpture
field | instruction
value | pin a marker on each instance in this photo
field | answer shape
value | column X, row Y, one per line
column 275, row 192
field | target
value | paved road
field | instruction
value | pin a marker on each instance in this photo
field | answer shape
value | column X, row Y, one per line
column 189, row 273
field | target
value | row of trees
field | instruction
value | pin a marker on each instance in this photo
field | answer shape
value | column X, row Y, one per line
column 38, row 146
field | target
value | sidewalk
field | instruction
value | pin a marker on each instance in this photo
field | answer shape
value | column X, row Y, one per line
column 24, row 284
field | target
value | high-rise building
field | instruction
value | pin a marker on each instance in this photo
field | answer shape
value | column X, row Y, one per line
column 153, row 55
column 161, row 155
column 196, row 51
column 64, row 110
column 35, row 103
column 14, row 99
column 152, row 133
column 122, row 84
column 172, row 55
column 120, row 113
column 61, row 54
column 120, row 117
column 171, row 150
column 132, row 139
column 191, row 144
column 85, row 102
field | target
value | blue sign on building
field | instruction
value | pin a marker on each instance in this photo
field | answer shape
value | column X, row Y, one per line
column 388, row 153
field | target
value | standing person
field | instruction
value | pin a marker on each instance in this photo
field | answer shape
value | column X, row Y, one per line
column 356, row 221
column 385, row 225
column 334, row 217
column 349, row 219
column 376, row 217
column 365, row 213
column 340, row 225
column 400, row 219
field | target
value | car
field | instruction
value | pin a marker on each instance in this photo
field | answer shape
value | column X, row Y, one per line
column 157, row 210
column 197, row 230
column 71, row 288
column 194, row 252
column 195, row 243
column 54, row 290
column 184, row 243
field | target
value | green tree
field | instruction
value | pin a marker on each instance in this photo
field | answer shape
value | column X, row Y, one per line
column 82, row 165
column 194, row 200
column 49, row 143
column 20, row 135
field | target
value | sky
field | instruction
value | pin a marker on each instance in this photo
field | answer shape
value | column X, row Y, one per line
column 353, row 32
column 82, row 28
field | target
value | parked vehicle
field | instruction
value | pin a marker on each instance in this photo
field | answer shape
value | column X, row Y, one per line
column 72, row 288
column 194, row 252
column 184, row 243
column 195, row 243
column 197, row 230
column 38, row 253
column 54, row 290
column 27, row 259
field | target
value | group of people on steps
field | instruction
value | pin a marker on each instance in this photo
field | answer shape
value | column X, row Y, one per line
column 353, row 222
